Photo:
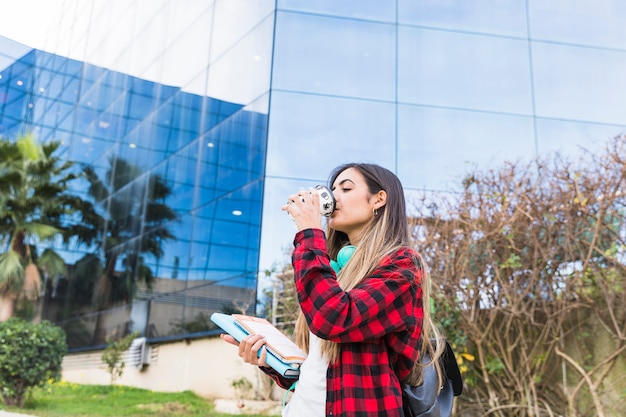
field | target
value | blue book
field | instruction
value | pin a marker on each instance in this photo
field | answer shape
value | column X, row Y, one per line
column 283, row 355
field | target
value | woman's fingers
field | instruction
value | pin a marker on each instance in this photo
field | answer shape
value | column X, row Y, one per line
column 304, row 210
column 263, row 358
column 228, row 338
column 249, row 349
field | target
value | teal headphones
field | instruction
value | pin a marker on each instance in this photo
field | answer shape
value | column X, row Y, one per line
column 342, row 258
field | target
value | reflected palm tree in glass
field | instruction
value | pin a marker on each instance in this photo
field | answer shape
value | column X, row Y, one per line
column 131, row 223
column 36, row 209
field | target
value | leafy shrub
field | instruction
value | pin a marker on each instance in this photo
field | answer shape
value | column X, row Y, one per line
column 30, row 356
column 112, row 355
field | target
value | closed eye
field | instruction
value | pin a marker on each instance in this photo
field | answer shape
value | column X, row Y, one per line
column 342, row 185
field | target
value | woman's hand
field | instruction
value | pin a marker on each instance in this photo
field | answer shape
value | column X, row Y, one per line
column 304, row 209
column 249, row 348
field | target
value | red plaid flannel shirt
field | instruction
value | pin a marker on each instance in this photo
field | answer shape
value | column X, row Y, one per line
column 378, row 325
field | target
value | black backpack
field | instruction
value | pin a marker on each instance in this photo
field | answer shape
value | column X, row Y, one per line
column 423, row 400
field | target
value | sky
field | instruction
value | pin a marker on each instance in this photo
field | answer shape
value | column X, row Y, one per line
column 27, row 21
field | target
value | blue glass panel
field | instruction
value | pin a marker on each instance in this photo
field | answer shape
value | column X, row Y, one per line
column 193, row 101
column 57, row 63
column 66, row 121
column 180, row 174
column 278, row 229
column 439, row 146
column 179, row 138
column 85, row 118
column 163, row 114
column 582, row 22
column 50, row 118
column 135, row 150
column 187, row 118
column 89, row 149
column 238, row 146
column 143, row 87
column 55, row 86
column 100, row 97
column 93, row 73
column 592, row 89
column 175, row 261
column 459, row 70
column 42, row 112
column 571, row 138
column 366, row 9
column 10, row 127
column 73, row 67
column 226, row 109
column 334, row 56
column 310, row 135
column 108, row 127
column 502, row 17
column 224, row 257
column 140, row 106
column 198, row 260
column 15, row 104
column 70, row 91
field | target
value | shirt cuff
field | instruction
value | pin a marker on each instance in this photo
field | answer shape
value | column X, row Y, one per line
column 308, row 234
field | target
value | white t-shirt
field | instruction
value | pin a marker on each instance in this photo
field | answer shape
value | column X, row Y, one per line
column 309, row 398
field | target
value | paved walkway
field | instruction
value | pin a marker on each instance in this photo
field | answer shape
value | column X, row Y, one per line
column 7, row 414
column 271, row 408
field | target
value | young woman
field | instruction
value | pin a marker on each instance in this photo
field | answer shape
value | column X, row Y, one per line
column 362, row 326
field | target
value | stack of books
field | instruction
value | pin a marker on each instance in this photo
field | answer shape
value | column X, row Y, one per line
column 283, row 355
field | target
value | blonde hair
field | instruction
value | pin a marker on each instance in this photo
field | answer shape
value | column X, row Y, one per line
column 385, row 235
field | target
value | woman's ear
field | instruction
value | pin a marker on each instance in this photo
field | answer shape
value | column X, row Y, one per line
column 380, row 199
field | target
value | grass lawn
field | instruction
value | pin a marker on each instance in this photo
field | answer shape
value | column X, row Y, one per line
column 65, row 399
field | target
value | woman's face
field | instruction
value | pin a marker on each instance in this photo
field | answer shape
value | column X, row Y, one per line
column 354, row 204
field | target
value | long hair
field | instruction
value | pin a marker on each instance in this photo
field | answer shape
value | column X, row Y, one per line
column 384, row 235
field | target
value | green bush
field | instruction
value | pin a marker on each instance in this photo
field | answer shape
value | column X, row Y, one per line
column 30, row 356
column 112, row 356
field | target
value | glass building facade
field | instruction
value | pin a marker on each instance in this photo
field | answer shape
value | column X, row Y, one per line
column 235, row 104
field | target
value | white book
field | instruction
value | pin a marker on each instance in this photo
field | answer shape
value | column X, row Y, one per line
column 283, row 355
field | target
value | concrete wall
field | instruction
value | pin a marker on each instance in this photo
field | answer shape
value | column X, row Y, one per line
column 205, row 366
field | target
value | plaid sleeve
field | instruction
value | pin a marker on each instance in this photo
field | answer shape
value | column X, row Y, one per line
column 280, row 380
column 381, row 304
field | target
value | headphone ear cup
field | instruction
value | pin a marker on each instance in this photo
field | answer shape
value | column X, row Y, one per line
column 344, row 255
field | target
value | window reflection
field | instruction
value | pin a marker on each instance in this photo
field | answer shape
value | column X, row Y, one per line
column 310, row 135
column 278, row 229
column 334, row 56
column 503, row 17
column 367, row 9
column 579, row 83
column 242, row 73
column 460, row 70
column 140, row 144
column 571, row 138
column 581, row 22
column 236, row 19
column 439, row 146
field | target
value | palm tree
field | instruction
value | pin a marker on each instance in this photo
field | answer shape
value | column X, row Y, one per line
column 131, row 223
column 36, row 208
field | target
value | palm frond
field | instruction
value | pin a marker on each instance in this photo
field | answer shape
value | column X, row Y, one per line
column 52, row 263
column 11, row 272
column 42, row 231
